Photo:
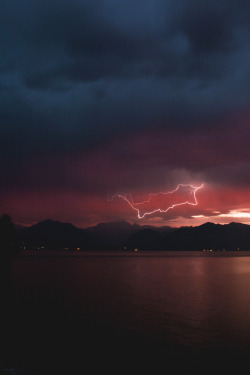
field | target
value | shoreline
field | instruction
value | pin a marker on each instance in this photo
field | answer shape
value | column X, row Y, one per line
column 109, row 253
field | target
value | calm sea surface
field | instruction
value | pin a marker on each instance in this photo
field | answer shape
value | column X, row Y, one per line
column 109, row 310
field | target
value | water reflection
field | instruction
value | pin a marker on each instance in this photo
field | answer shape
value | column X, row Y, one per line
column 191, row 305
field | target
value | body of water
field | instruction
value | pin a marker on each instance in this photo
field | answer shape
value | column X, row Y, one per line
column 117, row 312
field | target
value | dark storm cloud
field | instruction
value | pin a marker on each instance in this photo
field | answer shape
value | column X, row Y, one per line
column 75, row 73
column 90, row 41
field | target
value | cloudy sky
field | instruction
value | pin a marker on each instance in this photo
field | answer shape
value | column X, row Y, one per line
column 106, row 97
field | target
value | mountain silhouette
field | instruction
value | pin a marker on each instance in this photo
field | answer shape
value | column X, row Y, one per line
column 56, row 235
column 145, row 239
column 231, row 236
column 115, row 233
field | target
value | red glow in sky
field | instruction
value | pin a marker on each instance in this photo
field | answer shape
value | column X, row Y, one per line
column 164, row 201
column 75, row 187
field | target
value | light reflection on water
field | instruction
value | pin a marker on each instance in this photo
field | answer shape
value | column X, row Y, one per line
column 189, row 302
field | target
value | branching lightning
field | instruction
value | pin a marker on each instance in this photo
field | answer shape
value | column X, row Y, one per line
column 141, row 207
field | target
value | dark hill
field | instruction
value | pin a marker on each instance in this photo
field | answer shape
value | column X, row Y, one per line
column 116, row 233
column 113, row 233
column 111, row 236
column 56, row 235
column 145, row 239
column 209, row 236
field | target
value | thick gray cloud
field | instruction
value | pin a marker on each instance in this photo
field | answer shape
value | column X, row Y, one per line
column 75, row 73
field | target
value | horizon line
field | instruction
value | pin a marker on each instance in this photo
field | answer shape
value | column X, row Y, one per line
column 16, row 224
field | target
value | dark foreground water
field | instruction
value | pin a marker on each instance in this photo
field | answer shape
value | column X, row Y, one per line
column 112, row 313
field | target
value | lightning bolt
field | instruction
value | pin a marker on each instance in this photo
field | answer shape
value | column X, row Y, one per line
column 136, row 206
